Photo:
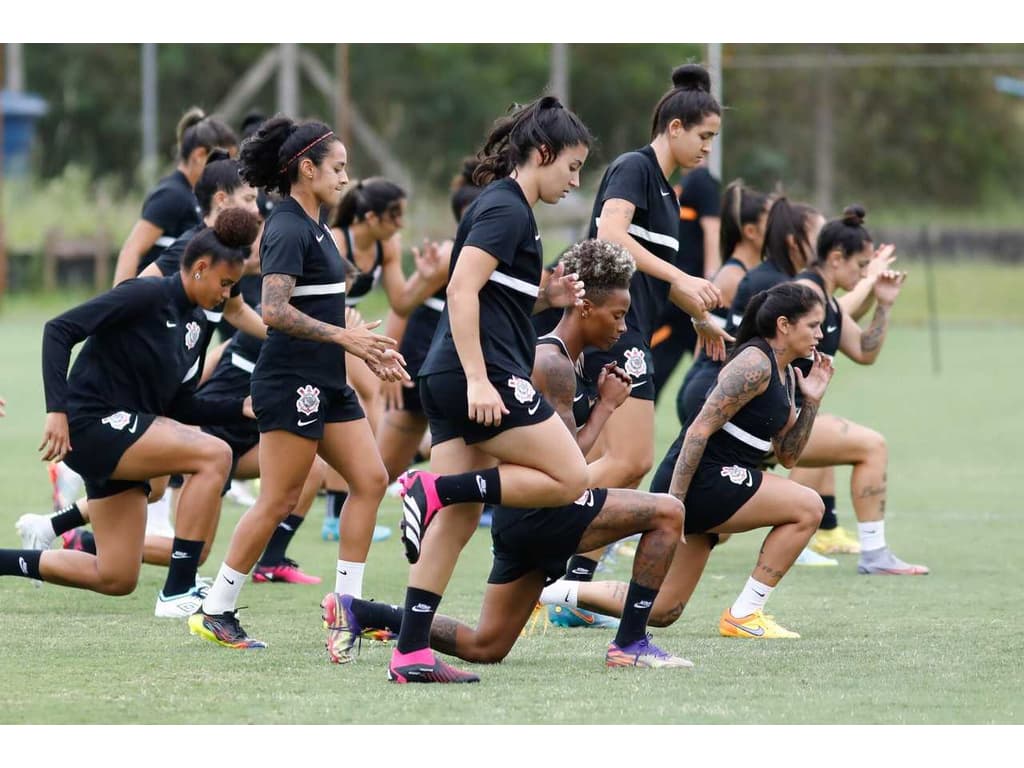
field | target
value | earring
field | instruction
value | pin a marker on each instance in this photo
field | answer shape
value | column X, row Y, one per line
column 197, row 275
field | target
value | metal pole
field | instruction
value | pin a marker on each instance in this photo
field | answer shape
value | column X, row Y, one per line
column 933, row 308
column 15, row 76
column 824, row 155
column 150, row 100
column 560, row 71
column 715, row 70
column 343, row 95
column 288, row 80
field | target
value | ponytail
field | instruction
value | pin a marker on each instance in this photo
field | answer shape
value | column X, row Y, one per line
column 689, row 100
column 789, row 300
column 847, row 234
column 740, row 205
column 270, row 157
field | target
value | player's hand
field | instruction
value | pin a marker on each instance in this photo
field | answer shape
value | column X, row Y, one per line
column 485, row 404
column 562, row 290
column 813, row 386
column 711, row 337
column 56, row 437
column 613, row 385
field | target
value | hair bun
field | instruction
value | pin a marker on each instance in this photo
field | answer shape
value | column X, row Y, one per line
column 236, row 227
column 549, row 102
column 691, row 77
column 854, row 215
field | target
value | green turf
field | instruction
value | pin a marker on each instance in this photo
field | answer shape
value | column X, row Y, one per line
column 940, row 649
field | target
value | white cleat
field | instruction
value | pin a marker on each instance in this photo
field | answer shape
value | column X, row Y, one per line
column 239, row 494
column 179, row 606
column 810, row 557
column 36, row 531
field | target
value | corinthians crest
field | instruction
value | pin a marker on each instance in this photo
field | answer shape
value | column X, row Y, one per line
column 192, row 331
column 309, row 400
column 738, row 475
column 522, row 388
column 636, row 363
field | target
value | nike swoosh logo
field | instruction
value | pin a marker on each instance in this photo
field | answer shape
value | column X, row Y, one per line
column 638, row 383
column 533, row 410
column 420, row 609
column 578, row 397
column 319, row 238
column 179, row 556
column 134, row 424
column 831, row 328
column 287, row 528
column 171, row 325
column 758, row 633
column 665, row 194
column 306, row 423
column 229, row 581
column 536, row 237
column 343, row 573
column 759, row 594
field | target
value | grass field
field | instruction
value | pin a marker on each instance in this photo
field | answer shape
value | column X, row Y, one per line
column 940, row 649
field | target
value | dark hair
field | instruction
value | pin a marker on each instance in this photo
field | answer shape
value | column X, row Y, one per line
column 689, row 99
column 270, row 157
column 227, row 240
column 603, row 267
column 785, row 219
column 220, row 175
column 196, row 130
column 375, row 195
column 848, row 234
column 250, row 123
column 543, row 124
column 791, row 300
column 740, row 205
column 464, row 190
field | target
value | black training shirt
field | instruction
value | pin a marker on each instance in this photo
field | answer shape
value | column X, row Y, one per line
column 142, row 353
column 700, row 198
column 297, row 245
column 637, row 178
column 499, row 222
column 171, row 206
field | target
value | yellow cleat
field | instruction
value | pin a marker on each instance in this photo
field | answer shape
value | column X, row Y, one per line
column 837, row 541
column 756, row 626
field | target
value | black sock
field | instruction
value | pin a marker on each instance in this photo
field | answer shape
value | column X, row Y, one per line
column 67, row 519
column 279, row 541
column 635, row 612
column 829, row 519
column 335, row 501
column 20, row 562
column 377, row 615
column 181, row 573
column 420, row 607
column 484, row 486
column 580, row 568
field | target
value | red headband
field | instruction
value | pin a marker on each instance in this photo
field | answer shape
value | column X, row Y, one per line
column 305, row 149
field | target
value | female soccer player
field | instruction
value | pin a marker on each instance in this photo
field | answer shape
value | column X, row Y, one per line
column 115, row 419
column 637, row 208
column 475, row 383
column 844, row 253
column 716, row 459
column 531, row 546
column 171, row 207
column 302, row 404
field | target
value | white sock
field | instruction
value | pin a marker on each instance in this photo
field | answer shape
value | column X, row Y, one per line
column 349, row 580
column 752, row 598
column 872, row 535
column 223, row 594
column 561, row 592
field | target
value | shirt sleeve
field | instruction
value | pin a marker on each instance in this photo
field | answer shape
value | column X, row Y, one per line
column 165, row 207
column 127, row 300
column 285, row 240
column 498, row 229
column 628, row 180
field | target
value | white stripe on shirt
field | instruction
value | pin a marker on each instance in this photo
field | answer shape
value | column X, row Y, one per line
column 515, row 284
column 240, row 362
column 319, row 289
column 434, row 303
column 651, row 237
column 165, row 241
column 745, row 437
column 213, row 317
column 191, row 371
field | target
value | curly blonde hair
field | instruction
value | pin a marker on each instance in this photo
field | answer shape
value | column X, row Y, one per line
column 602, row 266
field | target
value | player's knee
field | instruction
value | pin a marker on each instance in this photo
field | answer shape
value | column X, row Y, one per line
column 669, row 516
column 372, row 481
column 488, row 652
column 216, row 457
column 117, row 584
column 809, row 508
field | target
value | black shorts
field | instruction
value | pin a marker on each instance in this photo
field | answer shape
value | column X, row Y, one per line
column 411, row 397
column 674, row 338
column 447, row 408
column 694, row 391
column 526, row 540
column 631, row 352
column 99, row 440
column 302, row 407
column 715, row 494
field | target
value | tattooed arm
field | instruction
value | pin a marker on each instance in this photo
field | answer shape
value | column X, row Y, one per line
column 555, row 378
column 740, row 381
column 280, row 315
column 790, row 441
column 862, row 346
